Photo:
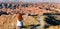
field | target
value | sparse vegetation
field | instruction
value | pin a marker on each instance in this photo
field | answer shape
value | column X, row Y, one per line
column 9, row 21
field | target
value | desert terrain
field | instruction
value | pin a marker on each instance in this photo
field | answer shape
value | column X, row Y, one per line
column 8, row 13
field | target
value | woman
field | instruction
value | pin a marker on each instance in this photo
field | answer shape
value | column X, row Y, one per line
column 19, row 21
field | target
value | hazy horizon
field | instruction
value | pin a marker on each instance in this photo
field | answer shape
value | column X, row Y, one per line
column 55, row 1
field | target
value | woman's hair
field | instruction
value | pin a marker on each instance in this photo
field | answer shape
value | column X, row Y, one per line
column 19, row 16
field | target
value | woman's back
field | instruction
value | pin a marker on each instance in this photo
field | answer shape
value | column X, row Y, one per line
column 19, row 16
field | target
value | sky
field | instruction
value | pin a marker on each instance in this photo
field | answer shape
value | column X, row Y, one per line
column 55, row 1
